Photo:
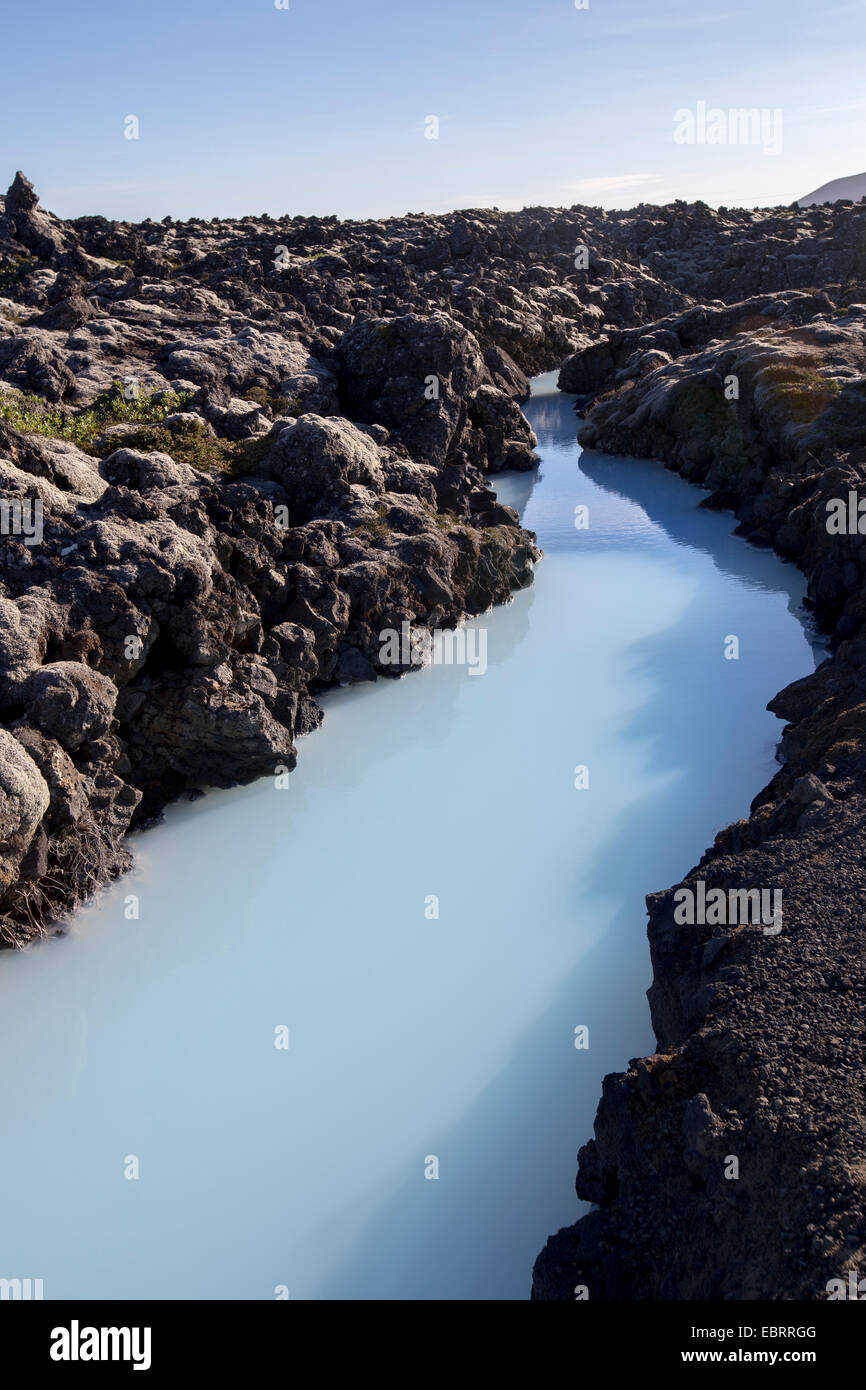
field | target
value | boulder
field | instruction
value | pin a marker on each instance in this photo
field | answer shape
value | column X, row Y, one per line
column 130, row 468
column 411, row 374
column 67, row 788
column 68, row 701
column 24, row 799
column 318, row 459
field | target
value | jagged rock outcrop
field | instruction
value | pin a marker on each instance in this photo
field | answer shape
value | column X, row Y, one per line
column 24, row 799
column 24, row 222
column 461, row 414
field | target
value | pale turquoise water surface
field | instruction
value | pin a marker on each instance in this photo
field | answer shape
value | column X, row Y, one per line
column 409, row 1037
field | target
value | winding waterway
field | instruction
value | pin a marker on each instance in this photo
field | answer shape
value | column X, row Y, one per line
column 149, row 1043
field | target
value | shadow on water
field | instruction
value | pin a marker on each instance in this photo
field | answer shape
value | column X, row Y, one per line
column 659, row 492
column 439, row 1239
column 515, row 489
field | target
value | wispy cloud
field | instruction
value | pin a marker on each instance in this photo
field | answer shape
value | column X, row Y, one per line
column 819, row 113
column 852, row 7
column 658, row 23
column 612, row 183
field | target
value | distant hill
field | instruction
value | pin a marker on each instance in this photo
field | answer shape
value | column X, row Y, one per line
column 853, row 187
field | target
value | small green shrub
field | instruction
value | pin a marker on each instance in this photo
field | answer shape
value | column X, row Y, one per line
column 800, row 392
column 277, row 405
column 375, row 531
column 31, row 415
column 15, row 271
column 194, row 445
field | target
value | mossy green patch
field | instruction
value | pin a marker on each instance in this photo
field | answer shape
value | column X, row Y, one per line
column 799, row 393
column 16, row 270
column 497, row 552
column 376, row 531
column 190, row 442
column 276, row 405
column 703, row 414
column 31, row 415
column 194, row 445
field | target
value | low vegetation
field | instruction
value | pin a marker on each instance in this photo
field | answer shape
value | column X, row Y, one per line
column 31, row 415
column 187, row 441
column 193, row 444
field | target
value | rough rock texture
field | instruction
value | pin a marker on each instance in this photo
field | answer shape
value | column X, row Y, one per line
column 24, row 799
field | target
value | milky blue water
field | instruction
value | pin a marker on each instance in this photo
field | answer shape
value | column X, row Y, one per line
column 412, row 1037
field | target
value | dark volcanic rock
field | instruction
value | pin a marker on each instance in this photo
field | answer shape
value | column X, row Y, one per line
column 23, row 221
column 417, row 376
column 24, row 799
column 318, row 462
column 69, row 701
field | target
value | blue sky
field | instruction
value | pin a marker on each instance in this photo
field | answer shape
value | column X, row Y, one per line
column 320, row 108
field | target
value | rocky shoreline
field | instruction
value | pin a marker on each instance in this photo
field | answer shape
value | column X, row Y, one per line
column 257, row 443
column 730, row 1164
